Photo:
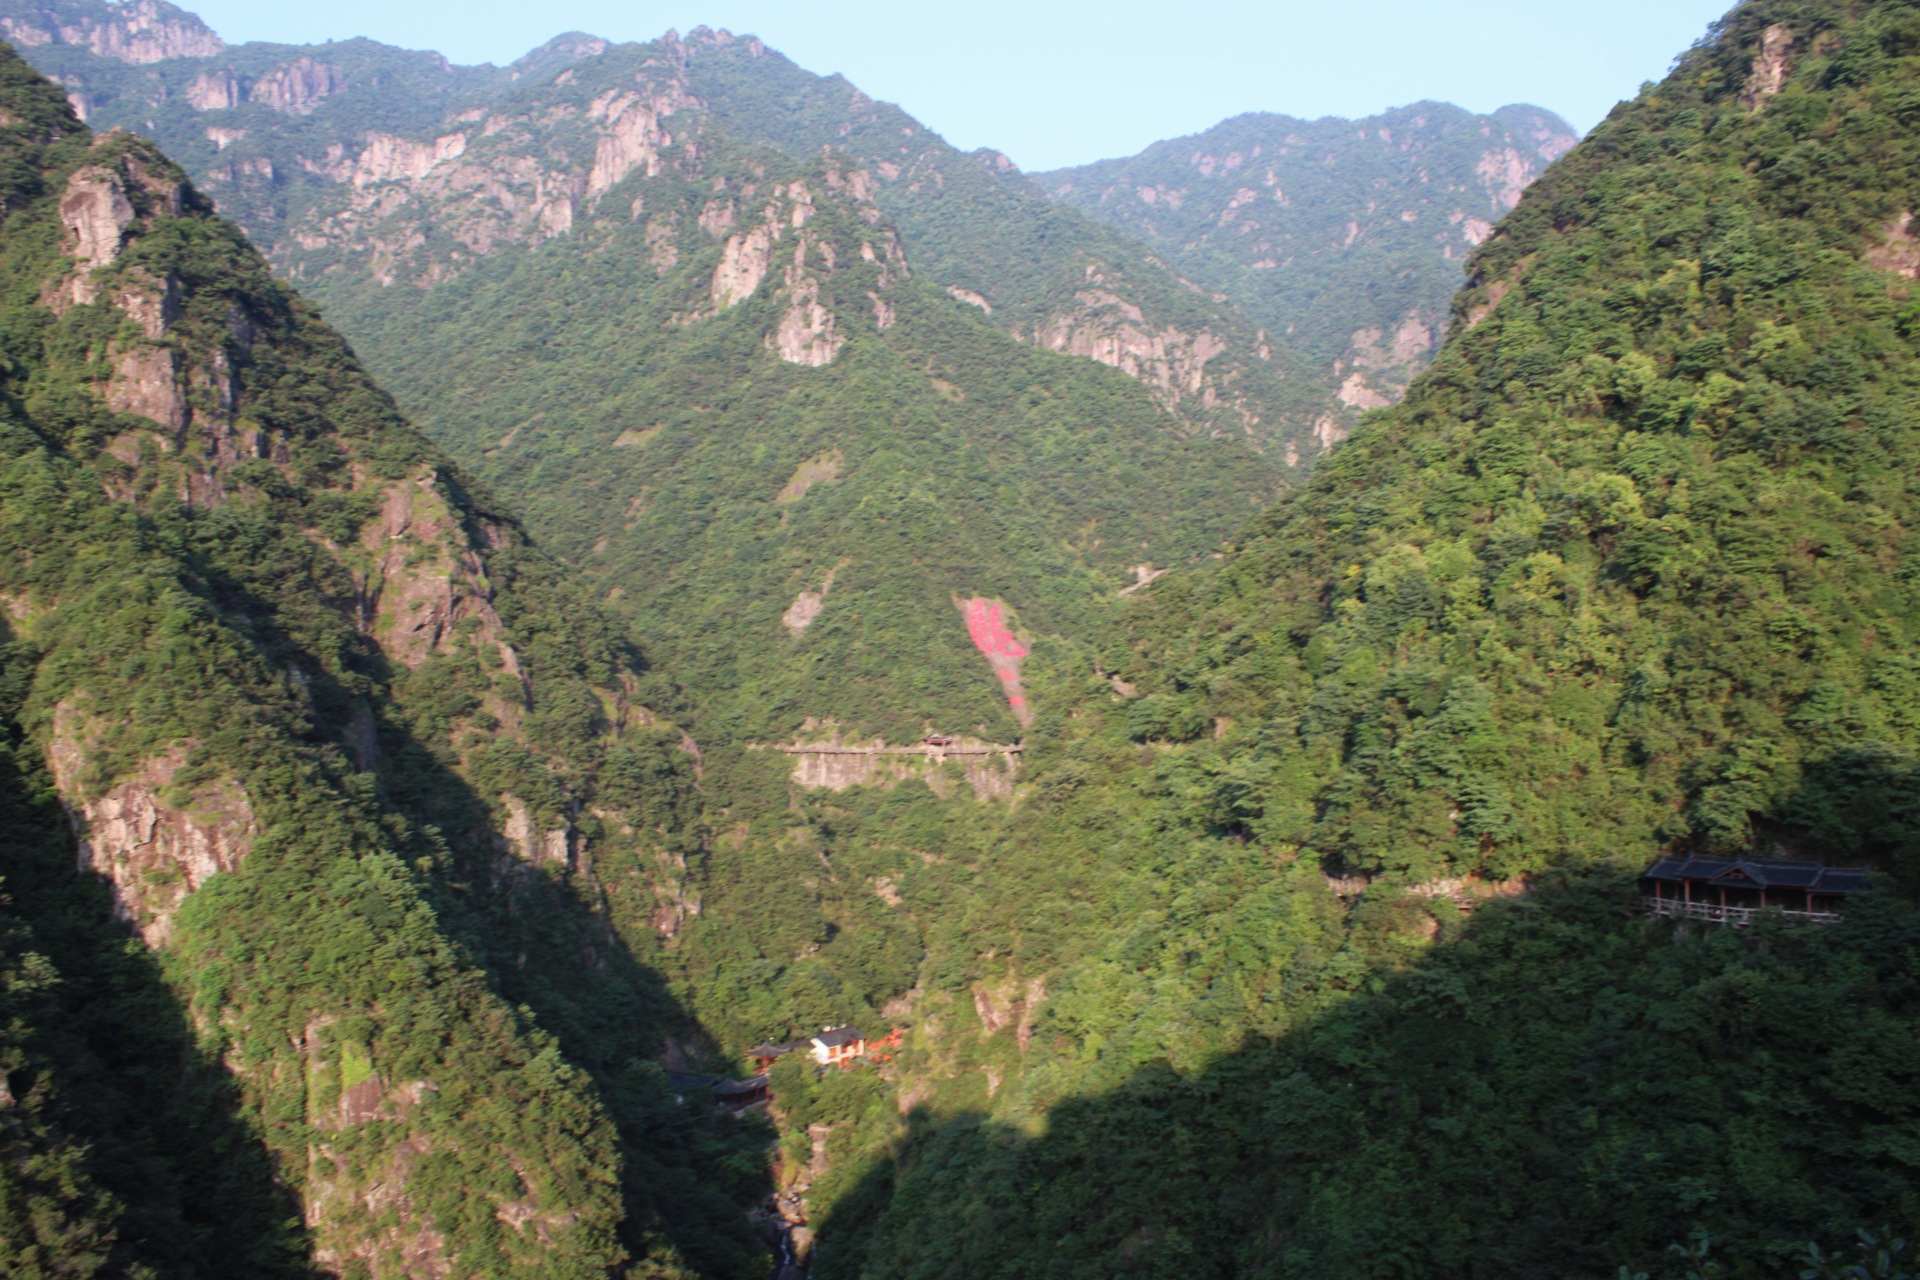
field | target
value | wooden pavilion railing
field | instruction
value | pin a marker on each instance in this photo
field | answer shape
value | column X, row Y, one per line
column 1676, row 909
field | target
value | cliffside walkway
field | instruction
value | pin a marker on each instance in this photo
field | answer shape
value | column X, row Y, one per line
column 918, row 749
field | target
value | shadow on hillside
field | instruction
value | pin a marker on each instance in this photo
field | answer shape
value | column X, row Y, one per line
column 545, row 941
column 1863, row 798
column 1556, row 1088
column 160, row 1121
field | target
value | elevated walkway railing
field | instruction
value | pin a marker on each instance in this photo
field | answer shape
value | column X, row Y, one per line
column 1713, row 912
column 918, row 749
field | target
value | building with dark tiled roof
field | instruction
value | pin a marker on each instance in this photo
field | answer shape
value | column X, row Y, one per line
column 739, row 1094
column 766, row 1053
column 1735, row 890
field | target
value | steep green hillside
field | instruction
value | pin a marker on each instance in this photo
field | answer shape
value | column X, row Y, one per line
column 369, row 792
column 728, row 391
column 1628, row 567
column 1314, row 949
column 1301, row 941
column 1346, row 236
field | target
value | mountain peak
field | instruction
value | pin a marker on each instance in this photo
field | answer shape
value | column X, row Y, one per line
column 568, row 46
column 135, row 31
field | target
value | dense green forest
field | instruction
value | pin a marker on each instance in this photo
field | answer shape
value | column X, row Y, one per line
column 704, row 481
column 686, row 449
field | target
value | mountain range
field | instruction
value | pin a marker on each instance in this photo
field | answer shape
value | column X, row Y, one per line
column 740, row 565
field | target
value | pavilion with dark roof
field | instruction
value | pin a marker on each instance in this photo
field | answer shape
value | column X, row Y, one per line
column 1736, row 890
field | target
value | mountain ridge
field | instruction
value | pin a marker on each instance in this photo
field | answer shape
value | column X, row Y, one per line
column 1347, row 237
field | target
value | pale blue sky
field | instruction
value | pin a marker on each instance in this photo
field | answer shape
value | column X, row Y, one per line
column 1068, row 81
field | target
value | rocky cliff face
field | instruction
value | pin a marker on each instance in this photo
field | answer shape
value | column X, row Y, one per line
column 1345, row 236
column 139, row 32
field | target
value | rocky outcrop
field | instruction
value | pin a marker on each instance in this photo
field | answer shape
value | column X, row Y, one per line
column 215, row 91
column 140, row 32
column 96, row 215
column 420, row 209
column 1770, row 66
column 743, row 264
column 146, row 382
column 99, row 209
column 298, row 87
column 187, row 392
column 387, row 158
column 1507, row 174
column 1010, row 1003
column 969, row 297
column 1378, row 366
column 807, row 606
column 988, row 769
column 521, row 836
column 343, row 1217
column 1108, row 328
column 808, row 333
column 425, row 580
column 633, row 134
column 824, row 468
column 1897, row 248
column 154, row 845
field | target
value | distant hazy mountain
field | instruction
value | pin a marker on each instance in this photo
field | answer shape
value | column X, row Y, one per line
column 1344, row 238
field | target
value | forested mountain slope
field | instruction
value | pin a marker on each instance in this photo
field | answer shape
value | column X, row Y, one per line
column 729, row 396
column 1629, row 567
column 1343, row 236
column 1315, row 948
column 359, row 792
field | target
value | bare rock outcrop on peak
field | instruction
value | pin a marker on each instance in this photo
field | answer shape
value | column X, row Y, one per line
column 1770, row 66
column 139, row 32
column 298, row 87
column 424, row 580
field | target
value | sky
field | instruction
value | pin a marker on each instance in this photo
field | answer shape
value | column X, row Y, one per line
column 1062, row 82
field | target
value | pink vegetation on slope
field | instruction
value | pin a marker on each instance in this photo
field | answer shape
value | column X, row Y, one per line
column 991, row 637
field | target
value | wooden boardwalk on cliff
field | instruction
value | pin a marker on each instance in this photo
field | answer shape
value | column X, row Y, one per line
column 918, row 749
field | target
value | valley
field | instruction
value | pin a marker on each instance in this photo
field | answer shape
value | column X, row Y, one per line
column 630, row 666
